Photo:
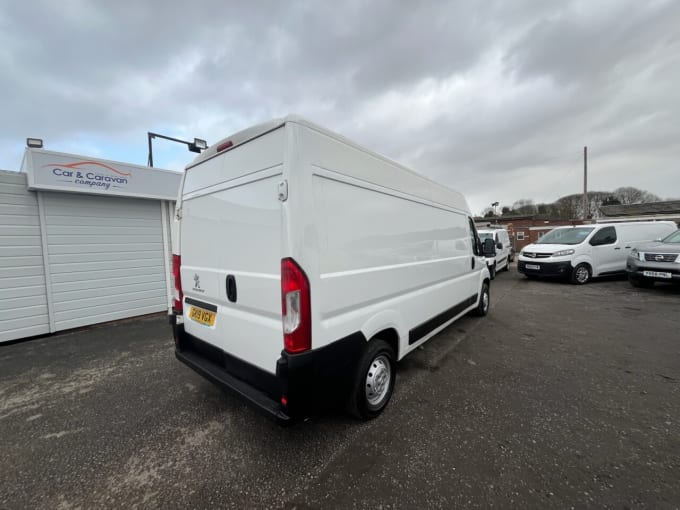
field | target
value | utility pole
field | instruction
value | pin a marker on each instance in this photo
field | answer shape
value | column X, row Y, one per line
column 585, row 183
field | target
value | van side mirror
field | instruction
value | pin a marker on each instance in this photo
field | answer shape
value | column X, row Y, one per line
column 489, row 248
column 499, row 246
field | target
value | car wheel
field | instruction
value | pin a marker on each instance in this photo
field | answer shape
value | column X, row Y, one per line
column 492, row 271
column 484, row 301
column 373, row 381
column 507, row 266
column 641, row 282
column 581, row 274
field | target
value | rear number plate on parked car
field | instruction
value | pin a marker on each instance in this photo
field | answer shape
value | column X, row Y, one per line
column 202, row 316
column 533, row 266
column 656, row 274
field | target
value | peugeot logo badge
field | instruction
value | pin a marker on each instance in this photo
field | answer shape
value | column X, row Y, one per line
column 658, row 258
column 197, row 281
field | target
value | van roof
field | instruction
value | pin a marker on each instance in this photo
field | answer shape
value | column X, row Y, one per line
column 258, row 130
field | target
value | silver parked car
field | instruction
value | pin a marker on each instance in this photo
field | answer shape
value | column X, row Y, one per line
column 655, row 262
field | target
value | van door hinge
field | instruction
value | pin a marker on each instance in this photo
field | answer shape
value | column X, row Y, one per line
column 178, row 213
column 283, row 191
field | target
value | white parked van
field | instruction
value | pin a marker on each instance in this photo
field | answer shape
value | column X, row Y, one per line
column 586, row 251
column 308, row 266
column 500, row 261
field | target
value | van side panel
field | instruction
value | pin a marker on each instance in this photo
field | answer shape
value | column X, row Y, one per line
column 232, row 229
column 379, row 257
column 376, row 250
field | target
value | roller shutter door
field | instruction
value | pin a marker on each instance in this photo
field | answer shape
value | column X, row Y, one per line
column 23, row 295
column 105, row 256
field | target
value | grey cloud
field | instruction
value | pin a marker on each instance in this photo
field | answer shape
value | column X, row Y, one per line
column 540, row 80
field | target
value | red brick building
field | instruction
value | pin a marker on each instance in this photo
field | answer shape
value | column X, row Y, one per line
column 525, row 230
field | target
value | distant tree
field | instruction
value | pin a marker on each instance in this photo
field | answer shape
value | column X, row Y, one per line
column 611, row 200
column 524, row 206
column 488, row 212
column 628, row 195
column 595, row 199
column 506, row 211
column 570, row 206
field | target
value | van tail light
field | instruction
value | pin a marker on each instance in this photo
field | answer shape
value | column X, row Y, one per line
column 295, row 308
column 177, row 284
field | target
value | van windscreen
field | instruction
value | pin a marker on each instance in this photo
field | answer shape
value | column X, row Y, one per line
column 566, row 236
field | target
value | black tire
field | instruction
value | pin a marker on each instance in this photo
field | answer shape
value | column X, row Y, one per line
column 643, row 283
column 507, row 266
column 492, row 271
column 377, row 356
column 484, row 301
column 581, row 274
column 531, row 276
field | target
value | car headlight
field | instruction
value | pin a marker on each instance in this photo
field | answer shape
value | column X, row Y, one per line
column 563, row 253
column 636, row 254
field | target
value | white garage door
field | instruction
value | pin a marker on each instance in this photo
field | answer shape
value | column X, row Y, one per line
column 23, row 296
column 106, row 257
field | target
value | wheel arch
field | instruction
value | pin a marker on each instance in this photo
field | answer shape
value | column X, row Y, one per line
column 391, row 337
column 388, row 325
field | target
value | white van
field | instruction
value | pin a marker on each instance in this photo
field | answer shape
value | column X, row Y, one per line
column 500, row 261
column 308, row 266
column 586, row 251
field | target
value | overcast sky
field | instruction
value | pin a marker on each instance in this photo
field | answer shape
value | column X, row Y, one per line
column 493, row 98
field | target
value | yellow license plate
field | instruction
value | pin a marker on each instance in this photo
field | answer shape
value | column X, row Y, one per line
column 202, row 316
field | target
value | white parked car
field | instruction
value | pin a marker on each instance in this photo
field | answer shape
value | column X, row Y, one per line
column 586, row 251
column 500, row 260
column 307, row 266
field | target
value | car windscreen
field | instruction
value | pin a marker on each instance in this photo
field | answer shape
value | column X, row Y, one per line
column 485, row 235
column 673, row 238
column 566, row 236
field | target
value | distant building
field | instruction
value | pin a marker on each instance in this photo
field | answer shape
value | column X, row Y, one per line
column 669, row 210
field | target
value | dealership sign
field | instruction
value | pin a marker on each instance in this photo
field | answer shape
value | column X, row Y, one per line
column 56, row 171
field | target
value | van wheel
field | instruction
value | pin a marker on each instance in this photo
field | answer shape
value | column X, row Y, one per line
column 373, row 381
column 507, row 266
column 484, row 301
column 581, row 274
column 492, row 271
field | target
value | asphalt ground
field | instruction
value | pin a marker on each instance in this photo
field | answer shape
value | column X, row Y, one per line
column 562, row 397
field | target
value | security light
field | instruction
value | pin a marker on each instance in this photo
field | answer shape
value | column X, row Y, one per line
column 34, row 143
column 197, row 145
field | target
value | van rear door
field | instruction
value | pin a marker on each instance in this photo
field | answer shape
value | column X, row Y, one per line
column 231, row 251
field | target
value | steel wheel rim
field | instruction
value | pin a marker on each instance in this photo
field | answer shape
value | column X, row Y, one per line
column 378, row 380
column 485, row 300
column 582, row 274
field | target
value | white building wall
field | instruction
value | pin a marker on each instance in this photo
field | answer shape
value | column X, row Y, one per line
column 23, row 293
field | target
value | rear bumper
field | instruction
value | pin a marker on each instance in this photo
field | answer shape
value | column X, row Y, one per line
column 316, row 379
column 553, row 269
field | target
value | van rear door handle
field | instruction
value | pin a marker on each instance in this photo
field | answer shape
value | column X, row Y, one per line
column 617, row 248
column 231, row 288
column 473, row 262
